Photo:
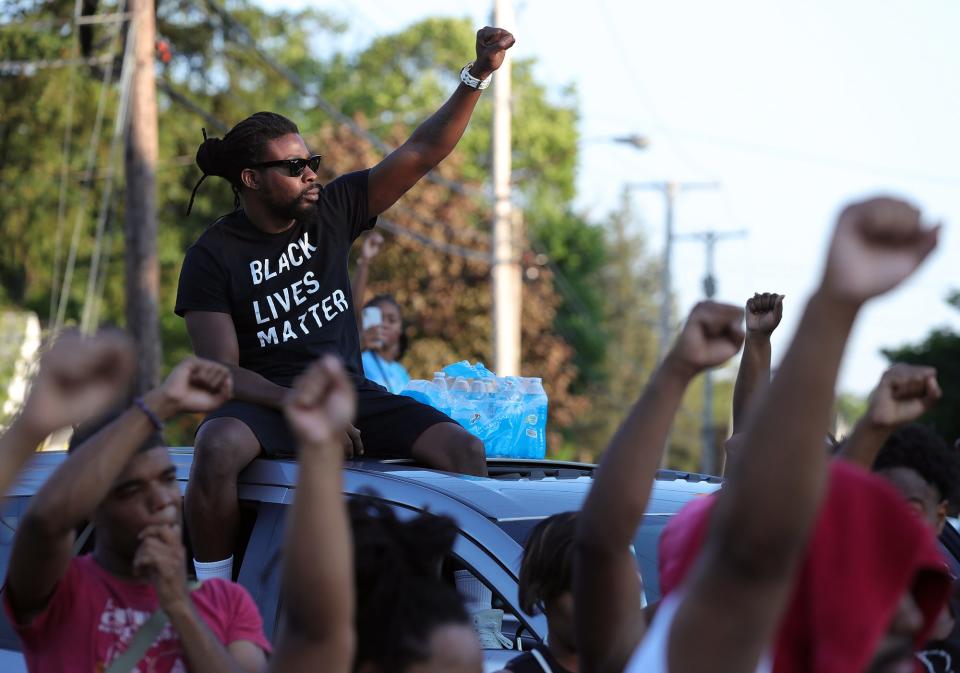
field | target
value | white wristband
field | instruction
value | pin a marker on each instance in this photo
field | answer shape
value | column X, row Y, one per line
column 471, row 81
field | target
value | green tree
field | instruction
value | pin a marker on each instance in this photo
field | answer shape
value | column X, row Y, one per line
column 941, row 350
column 215, row 78
column 424, row 61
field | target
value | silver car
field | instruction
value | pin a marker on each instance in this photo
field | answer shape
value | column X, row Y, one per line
column 494, row 515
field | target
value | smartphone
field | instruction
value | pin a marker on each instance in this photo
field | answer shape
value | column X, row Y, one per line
column 372, row 316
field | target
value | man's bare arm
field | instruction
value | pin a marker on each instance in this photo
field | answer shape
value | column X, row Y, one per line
column 318, row 565
column 42, row 546
column 610, row 620
column 436, row 137
column 904, row 394
column 766, row 511
column 763, row 314
column 214, row 337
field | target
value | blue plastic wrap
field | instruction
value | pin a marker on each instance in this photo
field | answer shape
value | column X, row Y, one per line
column 508, row 413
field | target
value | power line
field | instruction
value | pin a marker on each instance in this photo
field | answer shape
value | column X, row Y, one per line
column 641, row 89
column 448, row 248
column 78, row 20
column 113, row 158
column 91, row 162
column 64, row 173
column 790, row 154
column 30, row 67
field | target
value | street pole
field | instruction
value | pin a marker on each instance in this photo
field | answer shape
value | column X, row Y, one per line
column 670, row 190
column 708, row 456
column 140, row 226
column 507, row 286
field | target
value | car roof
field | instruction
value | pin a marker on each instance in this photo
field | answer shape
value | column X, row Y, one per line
column 515, row 489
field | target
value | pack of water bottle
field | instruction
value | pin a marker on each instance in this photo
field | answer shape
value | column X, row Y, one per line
column 509, row 413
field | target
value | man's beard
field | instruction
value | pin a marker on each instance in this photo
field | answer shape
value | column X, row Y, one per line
column 298, row 209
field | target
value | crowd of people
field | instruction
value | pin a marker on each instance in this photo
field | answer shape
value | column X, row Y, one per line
column 816, row 555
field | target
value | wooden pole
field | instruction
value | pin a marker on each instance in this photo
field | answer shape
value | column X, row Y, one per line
column 142, row 266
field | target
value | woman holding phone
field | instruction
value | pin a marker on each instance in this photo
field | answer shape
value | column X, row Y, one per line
column 381, row 325
column 384, row 343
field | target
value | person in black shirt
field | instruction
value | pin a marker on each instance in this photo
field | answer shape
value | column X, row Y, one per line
column 265, row 290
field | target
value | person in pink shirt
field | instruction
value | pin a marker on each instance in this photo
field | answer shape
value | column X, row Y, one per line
column 82, row 614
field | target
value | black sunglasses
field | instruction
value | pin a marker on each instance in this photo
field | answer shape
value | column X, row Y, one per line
column 294, row 167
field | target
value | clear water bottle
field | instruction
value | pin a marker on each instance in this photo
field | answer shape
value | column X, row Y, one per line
column 533, row 441
column 461, row 404
column 438, row 393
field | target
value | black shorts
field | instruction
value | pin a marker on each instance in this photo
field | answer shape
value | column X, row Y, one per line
column 389, row 424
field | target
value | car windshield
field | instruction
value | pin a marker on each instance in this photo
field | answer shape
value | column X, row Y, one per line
column 644, row 542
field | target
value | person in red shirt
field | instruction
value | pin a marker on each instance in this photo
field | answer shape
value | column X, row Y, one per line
column 81, row 614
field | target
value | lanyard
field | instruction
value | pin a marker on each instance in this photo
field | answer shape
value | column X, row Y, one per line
column 386, row 379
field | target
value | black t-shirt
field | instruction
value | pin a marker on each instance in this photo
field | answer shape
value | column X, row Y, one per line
column 288, row 293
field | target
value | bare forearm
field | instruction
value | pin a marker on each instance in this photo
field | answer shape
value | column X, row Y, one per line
column 864, row 443
column 784, row 458
column 753, row 376
column 72, row 493
column 248, row 386
column 625, row 477
column 436, row 137
column 203, row 652
column 17, row 446
column 319, row 563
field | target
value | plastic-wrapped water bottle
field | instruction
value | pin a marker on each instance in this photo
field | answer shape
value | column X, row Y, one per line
column 437, row 393
column 533, row 441
column 461, row 406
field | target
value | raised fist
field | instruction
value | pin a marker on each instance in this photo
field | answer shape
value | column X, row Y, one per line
column 371, row 245
column 492, row 45
column 905, row 393
column 194, row 385
column 712, row 335
column 321, row 405
column 764, row 312
column 79, row 378
column 877, row 244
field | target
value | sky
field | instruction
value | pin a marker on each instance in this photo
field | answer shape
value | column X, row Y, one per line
column 793, row 108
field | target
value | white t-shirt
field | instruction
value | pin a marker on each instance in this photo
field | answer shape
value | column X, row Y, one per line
column 651, row 654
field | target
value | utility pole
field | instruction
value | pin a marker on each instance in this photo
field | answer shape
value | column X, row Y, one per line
column 507, row 288
column 670, row 189
column 140, row 230
column 708, row 457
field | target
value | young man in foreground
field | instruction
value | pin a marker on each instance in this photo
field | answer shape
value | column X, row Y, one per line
column 81, row 614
